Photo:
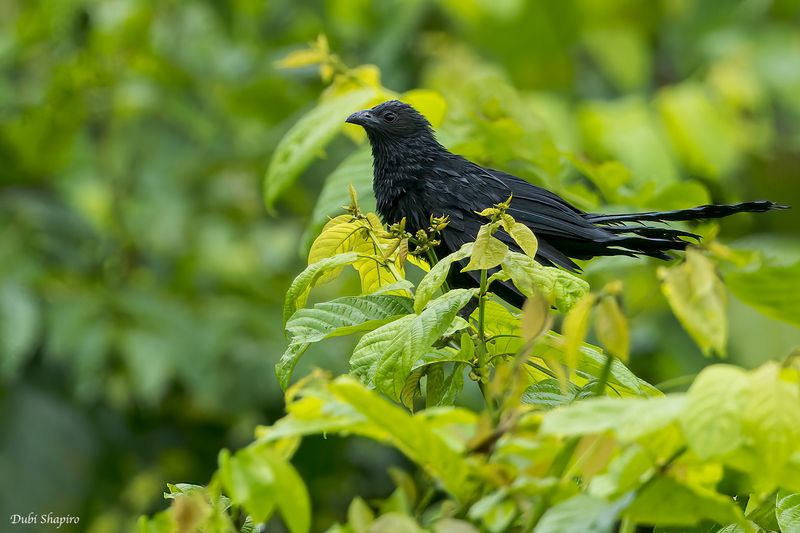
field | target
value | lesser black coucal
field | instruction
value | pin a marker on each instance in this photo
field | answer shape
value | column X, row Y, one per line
column 416, row 177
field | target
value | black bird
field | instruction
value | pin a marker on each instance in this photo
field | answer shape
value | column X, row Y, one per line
column 416, row 177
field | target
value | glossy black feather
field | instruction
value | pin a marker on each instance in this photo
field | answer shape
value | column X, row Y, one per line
column 416, row 177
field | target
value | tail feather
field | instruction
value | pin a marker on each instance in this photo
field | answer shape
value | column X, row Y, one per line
column 656, row 241
column 695, row 213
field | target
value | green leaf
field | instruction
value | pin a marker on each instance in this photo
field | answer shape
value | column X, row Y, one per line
column 612, row 327
column 260, row 480
column 772, row 289
column 285, row 365
column 628, row 418
column 771, row 419
column 788, row 511
column 548, row 394
column 591, row 361
column 442, row 387
column 396, row 523
column 359, row 516
column 623, row 54
column 697, row 297
column 385, row 357
column 409, row 435
column 306, row 140
column 297, row 294
column 667, row 502
column 761, row 510
column 19, row 326
column 488, row 251
column 437, row 275
column 580, row 513
column 711, row 421
column 343, row 316
column 624, row 473
column 559, row 286
column 494, row 511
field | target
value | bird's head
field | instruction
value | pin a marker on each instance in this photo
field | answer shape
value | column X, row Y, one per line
column 392, row 120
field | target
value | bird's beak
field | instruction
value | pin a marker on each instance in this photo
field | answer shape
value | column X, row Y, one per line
column 362, row 118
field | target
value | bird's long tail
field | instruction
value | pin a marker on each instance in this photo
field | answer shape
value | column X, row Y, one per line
column 655, row 241
column 695, row 213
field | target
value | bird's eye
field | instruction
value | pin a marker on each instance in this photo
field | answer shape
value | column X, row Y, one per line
column 389, row 117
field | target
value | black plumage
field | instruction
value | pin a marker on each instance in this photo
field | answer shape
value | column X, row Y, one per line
column 416, row 177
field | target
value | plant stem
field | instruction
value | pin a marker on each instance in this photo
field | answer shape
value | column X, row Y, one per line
column 483, row 368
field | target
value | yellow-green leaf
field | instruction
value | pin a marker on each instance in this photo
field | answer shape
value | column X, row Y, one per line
column 712, row 422
column 521, row 234
column 487, row 252
column 340, row 235
column 301, row 58
column 771, row 418
column 560, row 287
column 612, row 327
column 259, row 479
column 429, row 103
column 575, row 328
column 697, row 297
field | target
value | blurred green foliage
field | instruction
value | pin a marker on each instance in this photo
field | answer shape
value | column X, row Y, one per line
column 141, row 281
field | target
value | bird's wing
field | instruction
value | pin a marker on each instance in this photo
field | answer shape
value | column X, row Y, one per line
column 543, row 211
column 464, row 188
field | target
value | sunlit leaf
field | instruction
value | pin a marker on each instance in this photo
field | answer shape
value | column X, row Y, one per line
column 306, row 139
column 697, row 297
column 612, row 327
column 771, row 418
column 575, row 328
column 487, row 252
column 521, row 234
column 429, row 103
column 712, row 421
column 340, row 235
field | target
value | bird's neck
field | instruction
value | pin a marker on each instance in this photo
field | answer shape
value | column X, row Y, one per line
column 400, row 169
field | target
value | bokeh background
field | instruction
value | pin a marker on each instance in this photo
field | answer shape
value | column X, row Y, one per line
column 141, row 278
